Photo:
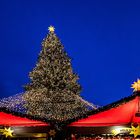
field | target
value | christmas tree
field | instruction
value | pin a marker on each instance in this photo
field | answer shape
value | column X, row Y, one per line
column 53, row 92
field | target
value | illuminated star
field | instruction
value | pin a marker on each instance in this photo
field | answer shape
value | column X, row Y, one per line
column 8, row 132
column 51, row 29
column 135, row 131
column 52, row 133
column 136, row 85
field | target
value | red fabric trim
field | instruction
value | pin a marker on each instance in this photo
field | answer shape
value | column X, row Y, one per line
column 123, row 114
column 11, row 120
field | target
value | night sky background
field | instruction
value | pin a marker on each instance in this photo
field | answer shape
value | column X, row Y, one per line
column 101, row 36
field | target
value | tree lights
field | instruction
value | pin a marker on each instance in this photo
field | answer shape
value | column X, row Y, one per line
column 53, row 93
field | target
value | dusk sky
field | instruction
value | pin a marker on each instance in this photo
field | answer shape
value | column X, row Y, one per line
column 101, row 36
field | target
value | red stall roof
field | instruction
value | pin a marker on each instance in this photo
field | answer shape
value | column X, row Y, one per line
column 11, row 120
column 123, row 113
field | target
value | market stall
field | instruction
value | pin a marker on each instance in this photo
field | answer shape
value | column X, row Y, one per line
column 117, row 120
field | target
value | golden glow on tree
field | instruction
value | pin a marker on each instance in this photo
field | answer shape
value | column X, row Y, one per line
column 53, row 93
column 53, row 90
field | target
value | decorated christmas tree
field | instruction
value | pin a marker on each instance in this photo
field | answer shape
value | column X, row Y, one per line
column 54, row 92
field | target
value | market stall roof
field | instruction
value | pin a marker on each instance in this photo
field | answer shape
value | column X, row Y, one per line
column 7, row 119
column 124, row 111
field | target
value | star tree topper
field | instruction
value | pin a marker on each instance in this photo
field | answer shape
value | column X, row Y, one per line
column 51, row 29
column 136, row 85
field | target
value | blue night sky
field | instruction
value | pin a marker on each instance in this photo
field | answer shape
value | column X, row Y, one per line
column 101, row 36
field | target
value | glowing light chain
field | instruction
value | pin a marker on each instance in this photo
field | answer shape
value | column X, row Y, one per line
column 87, row 103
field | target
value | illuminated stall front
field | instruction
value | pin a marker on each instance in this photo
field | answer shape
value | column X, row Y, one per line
column 120, row 119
